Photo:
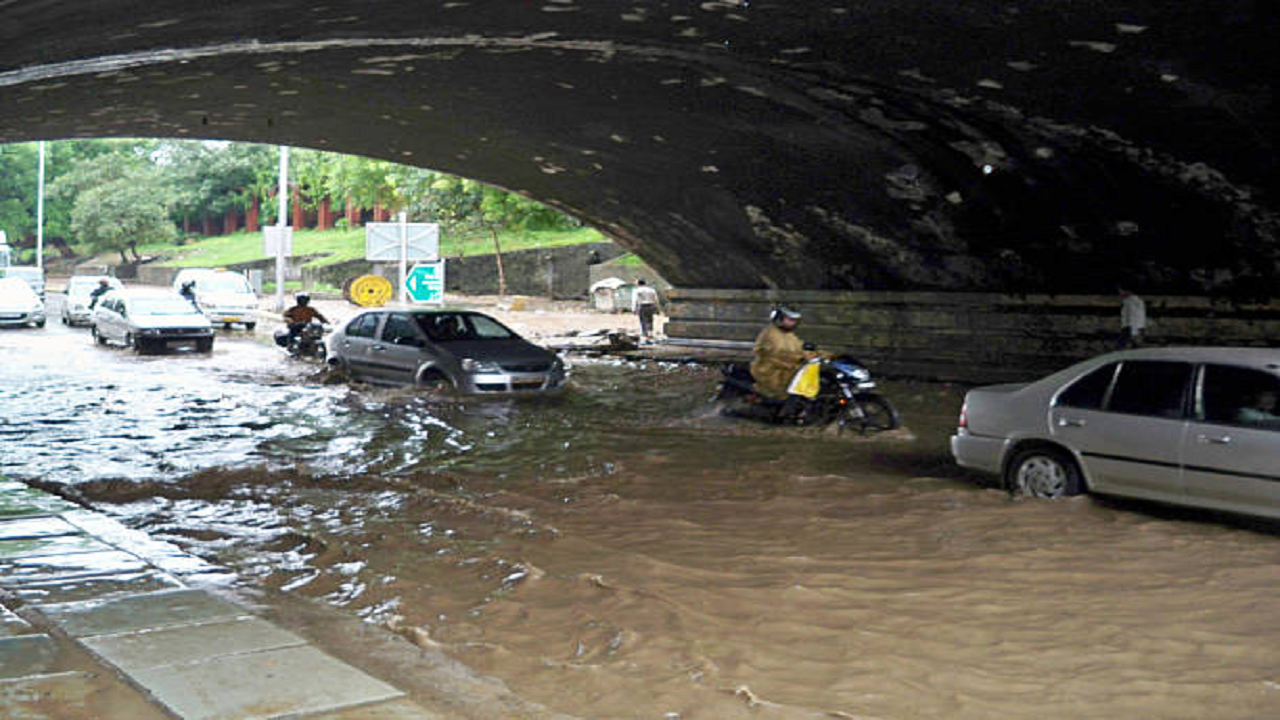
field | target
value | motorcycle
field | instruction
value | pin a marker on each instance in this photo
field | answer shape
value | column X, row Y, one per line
column 846, row 395
column 306, row 343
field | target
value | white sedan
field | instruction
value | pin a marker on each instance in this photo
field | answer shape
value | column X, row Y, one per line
column 148, row 320
column 19, row 304
column 1188, row 426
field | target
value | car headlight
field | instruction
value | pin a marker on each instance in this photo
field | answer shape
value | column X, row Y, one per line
column 479, row 366
column 149, row 331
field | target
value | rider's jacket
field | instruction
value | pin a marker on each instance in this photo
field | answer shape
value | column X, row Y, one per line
column 301, row 315
column 777, row 356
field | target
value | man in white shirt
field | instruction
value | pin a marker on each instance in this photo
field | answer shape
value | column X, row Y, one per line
column 1133, row 319
column 644, row 302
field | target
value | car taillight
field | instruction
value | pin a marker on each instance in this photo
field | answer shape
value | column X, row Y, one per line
column 964, row 415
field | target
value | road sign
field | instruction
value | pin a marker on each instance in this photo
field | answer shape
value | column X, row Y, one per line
column 382, row 241
column 425, row 283
column 271, row 238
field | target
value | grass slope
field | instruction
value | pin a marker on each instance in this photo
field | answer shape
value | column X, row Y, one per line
column 336, row 246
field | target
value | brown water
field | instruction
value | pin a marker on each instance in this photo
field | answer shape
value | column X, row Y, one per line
column 623, row 552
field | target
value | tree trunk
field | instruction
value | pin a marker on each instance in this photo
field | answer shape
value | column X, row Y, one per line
column 497, row 254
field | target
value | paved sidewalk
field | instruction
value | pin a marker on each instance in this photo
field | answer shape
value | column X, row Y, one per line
column 99, row 621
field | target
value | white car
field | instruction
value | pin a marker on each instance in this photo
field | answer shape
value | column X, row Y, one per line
column 1188, row 426
column 75, row 309
column 149, row 320
column 223, row 295
column 19, row 304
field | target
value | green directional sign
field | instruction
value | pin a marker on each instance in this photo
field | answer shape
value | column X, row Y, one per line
column 424, row 283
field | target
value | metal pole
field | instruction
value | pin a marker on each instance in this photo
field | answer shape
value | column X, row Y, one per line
column 40, row 211
column 404, row 253
column 283, row 222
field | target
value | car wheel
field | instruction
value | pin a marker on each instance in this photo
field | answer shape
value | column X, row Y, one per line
column 97, row 337
column 40, row 324
column 204, row 345
column 1043, row 472
column 65, row 321
column 250, row 326
column 434, row 381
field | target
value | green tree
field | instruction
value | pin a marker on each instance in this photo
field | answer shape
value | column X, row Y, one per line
column 121, row 199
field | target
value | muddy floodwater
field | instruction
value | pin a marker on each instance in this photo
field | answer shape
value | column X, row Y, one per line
column 621, row 551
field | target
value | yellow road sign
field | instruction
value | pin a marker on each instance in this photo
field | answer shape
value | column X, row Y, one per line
column 369, row 291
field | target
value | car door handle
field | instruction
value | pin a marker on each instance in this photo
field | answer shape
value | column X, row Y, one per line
column 1070, row 422
column 379, row 348
column 1214, row 440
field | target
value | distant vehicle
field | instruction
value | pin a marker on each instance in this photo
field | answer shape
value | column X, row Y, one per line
column 76, row 310
column 224, row 296
column 19, row 304
column 150, row 320
column 34, row 276
column 466, row 351
column 1188, row 426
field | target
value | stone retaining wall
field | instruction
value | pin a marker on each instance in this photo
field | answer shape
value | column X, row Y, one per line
column 558, row 272
column 973, row 337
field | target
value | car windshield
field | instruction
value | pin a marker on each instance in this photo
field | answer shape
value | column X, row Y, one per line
column 223, row 283
column 14, row 288
column 453, row 327
column 82, row 287
column 162, row 306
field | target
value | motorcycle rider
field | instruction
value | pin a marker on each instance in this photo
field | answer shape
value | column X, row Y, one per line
column 188, row 291
column 103, row 286
column 297, row 318
column 778, row 355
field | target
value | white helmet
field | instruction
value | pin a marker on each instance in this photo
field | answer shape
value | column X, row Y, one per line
column 781, row 311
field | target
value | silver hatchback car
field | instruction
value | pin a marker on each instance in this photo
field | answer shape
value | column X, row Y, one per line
column 1188, row 426
column 467, row 351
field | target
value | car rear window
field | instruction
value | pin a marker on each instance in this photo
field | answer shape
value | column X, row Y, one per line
column 1151, row 387
column 1090, row 391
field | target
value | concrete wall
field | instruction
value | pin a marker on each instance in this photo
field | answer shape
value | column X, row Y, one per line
column 562, row 272
column 163, row 275
column 972, row 337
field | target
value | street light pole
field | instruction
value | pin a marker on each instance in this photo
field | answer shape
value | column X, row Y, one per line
column 40, row 211
column 283, row 194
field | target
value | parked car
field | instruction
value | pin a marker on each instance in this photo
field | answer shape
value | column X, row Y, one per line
column 224, row 296
column 149, row 320
column 33, row 275
column 467, row 351
column 19, row 304
column 75, row 309
column 1189, row 426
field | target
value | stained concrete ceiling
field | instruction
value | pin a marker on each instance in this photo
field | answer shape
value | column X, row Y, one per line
column 743, row 143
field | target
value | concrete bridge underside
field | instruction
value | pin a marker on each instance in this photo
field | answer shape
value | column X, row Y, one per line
column 790, row 144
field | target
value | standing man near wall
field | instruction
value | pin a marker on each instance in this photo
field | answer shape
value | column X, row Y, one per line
column 644, row 302
column 1133, row 319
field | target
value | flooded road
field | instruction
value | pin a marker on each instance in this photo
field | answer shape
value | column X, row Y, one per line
column 623, row 552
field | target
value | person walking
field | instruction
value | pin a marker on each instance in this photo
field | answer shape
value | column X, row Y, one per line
column 644, row 302
column 1133, row 319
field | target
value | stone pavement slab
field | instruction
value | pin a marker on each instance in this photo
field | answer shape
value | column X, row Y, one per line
column 190, row 643
column 74, row 696
column 140, row 612
column 56, row 545
column 293, row 681
column 94, row 587
column 11, row 624
column 18, row 500
column 33, row 527
column 391, row 710
column 27, row 655
column 164, row 555
column 45, row 568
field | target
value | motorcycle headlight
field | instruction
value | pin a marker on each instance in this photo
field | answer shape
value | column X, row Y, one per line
column 479, row 366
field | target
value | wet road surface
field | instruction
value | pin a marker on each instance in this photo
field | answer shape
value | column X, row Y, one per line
column 620, row 551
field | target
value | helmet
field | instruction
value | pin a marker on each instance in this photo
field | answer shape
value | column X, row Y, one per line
column 302, row 298
column 780, row 312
